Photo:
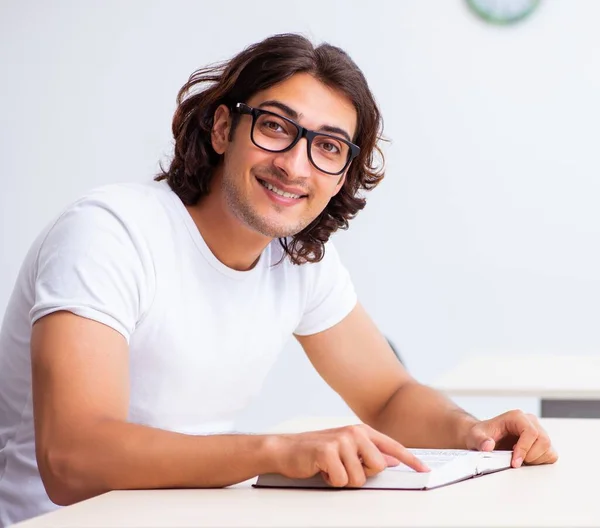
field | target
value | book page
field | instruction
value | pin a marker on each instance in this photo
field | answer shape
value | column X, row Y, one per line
column 433, row 458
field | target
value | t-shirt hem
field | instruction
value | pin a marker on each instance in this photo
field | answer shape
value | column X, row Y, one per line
column 88, row 313
column 325, row 324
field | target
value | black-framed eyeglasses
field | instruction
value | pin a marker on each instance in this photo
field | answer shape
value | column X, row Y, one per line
column 272, row 132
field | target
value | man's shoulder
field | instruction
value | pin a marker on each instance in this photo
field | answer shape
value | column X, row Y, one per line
column 129, row 194
column 143, row 202
column 123, row 209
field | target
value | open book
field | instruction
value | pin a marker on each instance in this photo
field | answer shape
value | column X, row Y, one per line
column 446, row 467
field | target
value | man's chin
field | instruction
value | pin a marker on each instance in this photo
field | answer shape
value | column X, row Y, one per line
column 270, row 223
column 277, row 230
column 279, row 233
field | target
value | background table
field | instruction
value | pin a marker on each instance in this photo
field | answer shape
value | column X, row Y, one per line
column 568, row 386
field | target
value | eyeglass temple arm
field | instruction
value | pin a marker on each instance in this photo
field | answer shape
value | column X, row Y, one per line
column 242, row 108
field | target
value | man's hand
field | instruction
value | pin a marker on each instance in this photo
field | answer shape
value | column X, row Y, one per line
column 345, row 456
column 517, row 431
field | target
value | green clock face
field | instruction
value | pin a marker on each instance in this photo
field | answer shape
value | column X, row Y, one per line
column 503, row 11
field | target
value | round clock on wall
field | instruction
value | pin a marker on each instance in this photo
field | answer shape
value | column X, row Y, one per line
column 503, row 12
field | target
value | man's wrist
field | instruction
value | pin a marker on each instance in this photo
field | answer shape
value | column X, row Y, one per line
column 464, row 422
column 272, row 453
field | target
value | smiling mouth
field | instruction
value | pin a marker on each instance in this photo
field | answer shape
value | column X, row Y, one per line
column 280, row 192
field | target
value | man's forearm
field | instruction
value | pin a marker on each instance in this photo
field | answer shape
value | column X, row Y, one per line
column 117, row 455
column 419, row 416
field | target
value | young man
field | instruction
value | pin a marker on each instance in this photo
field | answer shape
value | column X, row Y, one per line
column 146, row 317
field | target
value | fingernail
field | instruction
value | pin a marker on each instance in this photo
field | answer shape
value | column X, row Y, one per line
column 518, row 462
column 486, row 443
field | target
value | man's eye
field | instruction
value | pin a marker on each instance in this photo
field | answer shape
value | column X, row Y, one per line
column 329, row 148
column 273, row 125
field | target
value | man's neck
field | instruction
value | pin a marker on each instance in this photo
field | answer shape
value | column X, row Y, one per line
column 231, row 242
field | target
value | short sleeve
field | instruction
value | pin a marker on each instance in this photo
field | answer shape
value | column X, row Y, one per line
column 331, row 295
column 93, row 263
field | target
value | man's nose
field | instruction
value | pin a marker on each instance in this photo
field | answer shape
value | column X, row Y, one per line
column 295, row 162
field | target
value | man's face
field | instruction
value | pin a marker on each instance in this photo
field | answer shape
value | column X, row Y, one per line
column 251, row 180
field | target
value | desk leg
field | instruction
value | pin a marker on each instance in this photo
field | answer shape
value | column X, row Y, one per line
column 570, row 409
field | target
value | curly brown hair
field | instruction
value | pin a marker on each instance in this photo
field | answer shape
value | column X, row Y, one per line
column 257, row 68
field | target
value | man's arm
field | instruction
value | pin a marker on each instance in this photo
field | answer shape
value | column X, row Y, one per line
column 85, row 446
column 355, row 359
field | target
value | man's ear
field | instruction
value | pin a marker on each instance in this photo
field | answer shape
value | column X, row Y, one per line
column 219, row 135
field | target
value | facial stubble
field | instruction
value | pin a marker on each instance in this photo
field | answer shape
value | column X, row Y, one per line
column 243, row 208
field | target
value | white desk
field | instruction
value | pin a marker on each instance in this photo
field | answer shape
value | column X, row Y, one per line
column 563, row 494
column 568, row 386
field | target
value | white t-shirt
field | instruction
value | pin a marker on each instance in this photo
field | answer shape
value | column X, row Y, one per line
column 202, row 337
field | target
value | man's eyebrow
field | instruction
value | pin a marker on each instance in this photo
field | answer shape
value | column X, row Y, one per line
column 335, row 130
column 292, row 114
column 281, row 106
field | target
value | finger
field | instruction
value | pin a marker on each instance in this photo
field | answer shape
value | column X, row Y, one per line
column 332, row 469
column 479, row 439
column 527, row 433
column 542, row 444
column 487, row 445
column 353, row 465
column 548, row 457
column 373, row 460
column 538, row 449
column 390, row 460
column 389, row 446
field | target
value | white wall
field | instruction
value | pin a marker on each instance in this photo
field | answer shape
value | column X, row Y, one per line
column 484, row 235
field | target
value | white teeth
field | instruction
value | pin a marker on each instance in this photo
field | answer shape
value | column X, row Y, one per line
column 274, row 189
